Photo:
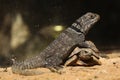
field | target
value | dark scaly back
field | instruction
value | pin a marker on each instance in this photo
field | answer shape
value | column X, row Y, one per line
column 85, row 23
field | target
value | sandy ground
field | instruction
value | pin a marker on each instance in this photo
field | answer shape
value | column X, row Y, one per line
column 109, row 70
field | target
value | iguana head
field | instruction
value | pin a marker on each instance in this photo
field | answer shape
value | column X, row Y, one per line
column 84, row 23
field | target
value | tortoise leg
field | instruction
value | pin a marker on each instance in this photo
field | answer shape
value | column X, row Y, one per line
column 71, row 60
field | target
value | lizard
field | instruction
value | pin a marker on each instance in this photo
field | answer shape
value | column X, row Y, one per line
column 55, row 53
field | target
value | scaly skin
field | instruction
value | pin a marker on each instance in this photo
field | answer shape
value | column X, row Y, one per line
column 57, row 52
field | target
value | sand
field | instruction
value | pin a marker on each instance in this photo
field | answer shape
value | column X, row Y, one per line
column 109, row 70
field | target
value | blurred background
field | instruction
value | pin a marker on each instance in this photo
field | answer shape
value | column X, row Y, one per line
column 28, row 26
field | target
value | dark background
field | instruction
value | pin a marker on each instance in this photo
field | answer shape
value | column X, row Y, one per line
column 105, row 34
